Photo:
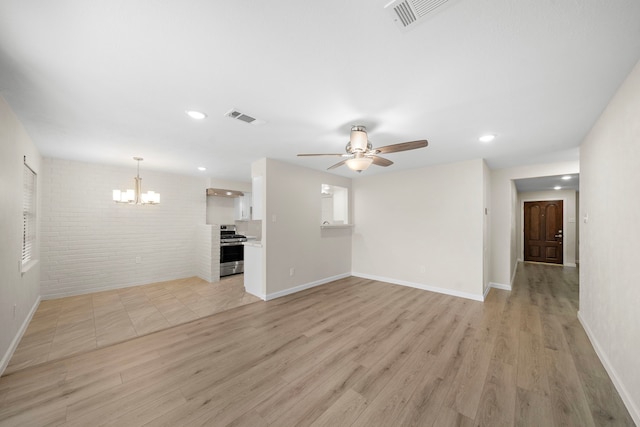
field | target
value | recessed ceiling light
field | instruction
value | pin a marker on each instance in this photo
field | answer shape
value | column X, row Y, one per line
column 566, row 177
column 487, row 138
column 557, row 187
column 196, row 114
column 202, row 168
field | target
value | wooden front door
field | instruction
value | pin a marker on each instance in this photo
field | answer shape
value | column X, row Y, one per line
column 543, row 231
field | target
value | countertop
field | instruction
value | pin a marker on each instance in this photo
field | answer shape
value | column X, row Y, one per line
column 253, row 243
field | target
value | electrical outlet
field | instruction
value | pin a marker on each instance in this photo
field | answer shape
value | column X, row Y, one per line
column 423, row 269
column 292, row 271
column 138, row 260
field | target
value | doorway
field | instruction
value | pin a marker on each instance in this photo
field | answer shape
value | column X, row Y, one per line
column 543, row 231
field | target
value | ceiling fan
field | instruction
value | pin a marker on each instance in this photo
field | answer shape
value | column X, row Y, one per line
column 360, row 154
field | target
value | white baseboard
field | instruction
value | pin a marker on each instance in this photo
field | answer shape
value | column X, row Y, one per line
column 16, row 340
column 486, row 292
column 475, row 297
column 302, row 287
column 515, row 270
column 263, row 297
column 500, row 286
column 569, row 264
column 615, row 378
column 496, row 286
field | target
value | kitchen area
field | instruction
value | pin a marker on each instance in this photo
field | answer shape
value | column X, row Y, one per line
column 232, row 226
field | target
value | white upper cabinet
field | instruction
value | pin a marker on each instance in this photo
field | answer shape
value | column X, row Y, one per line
column 256, row 197
column 243, row 207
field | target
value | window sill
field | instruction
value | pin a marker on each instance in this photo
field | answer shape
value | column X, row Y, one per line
column 336, row 226
column 24, row 268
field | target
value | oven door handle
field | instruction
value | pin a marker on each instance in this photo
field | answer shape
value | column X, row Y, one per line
column 231, row 244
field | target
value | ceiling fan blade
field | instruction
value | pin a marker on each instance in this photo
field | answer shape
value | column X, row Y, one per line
column 323, row 154
column 337, row 164
column 403, row 146
column 381, row 161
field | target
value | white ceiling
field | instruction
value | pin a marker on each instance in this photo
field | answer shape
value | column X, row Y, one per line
column 103, row 81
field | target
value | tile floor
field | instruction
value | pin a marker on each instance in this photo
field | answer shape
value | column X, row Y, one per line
column 66, row 326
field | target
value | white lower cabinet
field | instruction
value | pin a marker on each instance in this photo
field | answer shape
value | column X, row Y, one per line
column 253, row 270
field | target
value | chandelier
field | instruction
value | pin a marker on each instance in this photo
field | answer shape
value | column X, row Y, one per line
column 135, row 195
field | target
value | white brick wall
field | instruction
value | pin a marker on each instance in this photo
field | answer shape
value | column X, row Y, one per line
column 90, row 243
column 208, row 250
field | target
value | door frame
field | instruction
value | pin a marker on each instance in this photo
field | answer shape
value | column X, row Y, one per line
column 564, row 225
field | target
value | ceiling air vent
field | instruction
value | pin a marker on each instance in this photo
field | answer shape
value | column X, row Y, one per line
column 235, row 114
column 407, row 13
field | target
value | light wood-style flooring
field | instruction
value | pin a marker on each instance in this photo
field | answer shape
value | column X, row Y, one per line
column 354, row 352
column 65, row 326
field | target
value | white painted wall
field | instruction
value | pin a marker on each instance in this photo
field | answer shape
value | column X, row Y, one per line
column 292, row 237
column 259, row 256
column 505, row 214
column 568, row 217
column 222, row 210
column 609, row 244
column 422, row 228
column 90, row 243
column 21, row 290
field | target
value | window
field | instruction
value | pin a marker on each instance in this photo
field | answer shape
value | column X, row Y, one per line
column 335, row 205
column 28, row 216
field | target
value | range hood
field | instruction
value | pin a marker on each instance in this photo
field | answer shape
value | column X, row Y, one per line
column 221, row 192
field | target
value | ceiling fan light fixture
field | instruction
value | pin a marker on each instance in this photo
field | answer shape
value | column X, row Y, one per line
column 359, row 164
column 358, row 138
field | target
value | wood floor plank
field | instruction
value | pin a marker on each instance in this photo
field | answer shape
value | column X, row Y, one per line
column 533, row 409
column 570, row 407
column 497, row 403
column 532, row 373
column 381, row 373
column 251, row 418
column 124, row 406
column 450, row 418
column 468, row 383
column 311, row 406
column 426, row 402
column 152, row 409
column 389, row 405
column 344, row 411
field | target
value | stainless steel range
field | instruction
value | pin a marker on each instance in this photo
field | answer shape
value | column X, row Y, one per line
column 231, row 251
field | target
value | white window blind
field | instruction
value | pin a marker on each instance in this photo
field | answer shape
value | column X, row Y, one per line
column 28, row 214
